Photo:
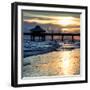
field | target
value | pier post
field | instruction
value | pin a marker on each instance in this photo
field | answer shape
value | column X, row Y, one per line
column 31, row 37
column 62, row 38
column 44, row 37
column 72, row 38
column 52, row 37
column 39, row 38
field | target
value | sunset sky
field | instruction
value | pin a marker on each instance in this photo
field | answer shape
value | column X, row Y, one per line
column 66, row 22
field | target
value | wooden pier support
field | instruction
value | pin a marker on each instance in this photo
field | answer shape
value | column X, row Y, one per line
column 52, row 37
column 43, row 36
column 72, row 38
column 62, row 38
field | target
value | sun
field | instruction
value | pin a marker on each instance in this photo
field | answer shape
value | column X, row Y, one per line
column 65, row 21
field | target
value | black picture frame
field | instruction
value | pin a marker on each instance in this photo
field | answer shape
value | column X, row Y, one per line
column 14, row 43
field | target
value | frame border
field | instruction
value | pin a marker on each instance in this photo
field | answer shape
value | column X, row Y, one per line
column 14, row 43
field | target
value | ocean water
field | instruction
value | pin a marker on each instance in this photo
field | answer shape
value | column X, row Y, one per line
column 61, row 62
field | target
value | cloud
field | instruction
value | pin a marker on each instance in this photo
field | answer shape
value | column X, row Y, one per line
column 53, row 19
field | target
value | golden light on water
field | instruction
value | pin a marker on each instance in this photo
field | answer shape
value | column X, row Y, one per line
column 63, row 63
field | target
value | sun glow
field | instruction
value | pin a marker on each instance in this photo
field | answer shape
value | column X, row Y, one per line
column 64, row 21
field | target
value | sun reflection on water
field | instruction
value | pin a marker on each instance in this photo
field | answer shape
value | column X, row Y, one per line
column 65, row 62
column 61, row 63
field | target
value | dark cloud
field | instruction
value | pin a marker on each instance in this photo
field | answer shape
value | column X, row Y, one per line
column 50, row 13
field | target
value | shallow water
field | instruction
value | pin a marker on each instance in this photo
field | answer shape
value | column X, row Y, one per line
column 56, row 63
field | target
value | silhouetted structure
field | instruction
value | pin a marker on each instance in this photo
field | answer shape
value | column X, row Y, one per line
column 37, row 32
column 41, row 34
